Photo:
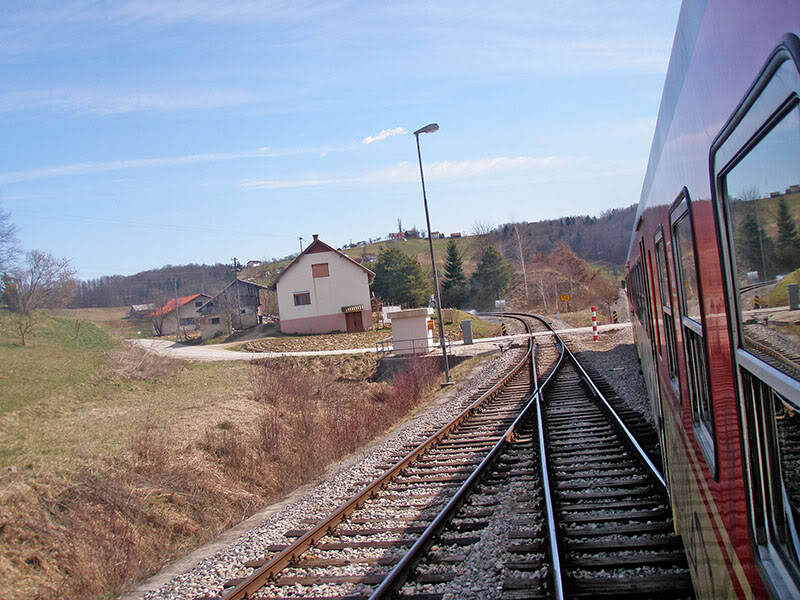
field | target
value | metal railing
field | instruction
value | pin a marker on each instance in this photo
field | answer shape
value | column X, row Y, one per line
column 418, row 346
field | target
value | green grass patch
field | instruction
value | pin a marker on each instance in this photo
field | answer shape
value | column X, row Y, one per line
column 779, row 295
column 59, row 360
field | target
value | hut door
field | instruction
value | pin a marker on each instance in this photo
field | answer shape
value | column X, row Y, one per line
column 354, row 322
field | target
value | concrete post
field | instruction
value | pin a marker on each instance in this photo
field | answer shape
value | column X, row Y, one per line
column 794, row 296
column 466, row 330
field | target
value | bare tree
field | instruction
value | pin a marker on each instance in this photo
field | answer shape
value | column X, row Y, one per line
column 483, row 235
column 160, row 298
column 228, row 306
column 9, row 245
column 522, row 262
column 43, row 281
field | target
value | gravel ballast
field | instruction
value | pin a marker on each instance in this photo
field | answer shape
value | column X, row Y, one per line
column 615, row 357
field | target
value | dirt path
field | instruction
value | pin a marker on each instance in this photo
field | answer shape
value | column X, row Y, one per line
column 221, row 351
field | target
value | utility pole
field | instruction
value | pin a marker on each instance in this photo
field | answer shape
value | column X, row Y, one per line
column 236, row 267
column 177, row 316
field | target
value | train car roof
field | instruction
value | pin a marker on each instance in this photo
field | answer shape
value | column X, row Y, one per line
column 683, row 44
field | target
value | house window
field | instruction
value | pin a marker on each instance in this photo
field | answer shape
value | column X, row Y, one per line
column 215, row 320
column 320, row 270
column 302, row 298
column 198, row 304
column 244, row 310
column 188, row 321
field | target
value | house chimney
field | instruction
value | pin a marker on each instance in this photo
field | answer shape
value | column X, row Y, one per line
column 315, row 236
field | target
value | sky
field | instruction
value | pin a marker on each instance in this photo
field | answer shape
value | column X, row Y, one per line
column 139, row 134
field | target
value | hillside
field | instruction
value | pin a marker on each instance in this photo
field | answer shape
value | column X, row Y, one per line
column 600, row 240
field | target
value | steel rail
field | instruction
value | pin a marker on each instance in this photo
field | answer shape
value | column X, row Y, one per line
column 399, row 574
column 289, row 555
column 620, row 424
column 401, row 571
column 585, row 376
column 550, row 513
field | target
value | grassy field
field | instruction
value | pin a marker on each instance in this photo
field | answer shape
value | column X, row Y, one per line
column 114, row 319
column 779, row 295
column 114, row 461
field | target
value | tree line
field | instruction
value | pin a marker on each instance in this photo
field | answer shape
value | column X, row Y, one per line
column 152, row 285
column 528, row 279
column 401, row 280
column 756, row 250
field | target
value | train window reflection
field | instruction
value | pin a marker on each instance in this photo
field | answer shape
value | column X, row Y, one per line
column 666, row 308
column 763, row 196
column 773, row 431
column 689, row 296
column 686, row 283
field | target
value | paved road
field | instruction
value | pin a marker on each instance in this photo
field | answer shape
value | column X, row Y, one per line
column 220, row 352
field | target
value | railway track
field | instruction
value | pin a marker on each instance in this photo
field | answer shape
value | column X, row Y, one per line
column 615, row 532
column 528, row 489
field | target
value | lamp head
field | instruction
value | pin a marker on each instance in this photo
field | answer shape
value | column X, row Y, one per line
column 431, row 128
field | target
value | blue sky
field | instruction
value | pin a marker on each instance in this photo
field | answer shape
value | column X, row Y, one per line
column 144, row 133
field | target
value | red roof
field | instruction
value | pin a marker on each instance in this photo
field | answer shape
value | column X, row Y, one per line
column 170, row 306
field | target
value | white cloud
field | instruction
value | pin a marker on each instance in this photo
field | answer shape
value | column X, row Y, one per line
column 124, row 164
column 405, row 172
column 384, row 134
column 104, row 102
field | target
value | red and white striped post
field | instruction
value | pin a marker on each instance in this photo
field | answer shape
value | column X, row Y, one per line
column 594, row 323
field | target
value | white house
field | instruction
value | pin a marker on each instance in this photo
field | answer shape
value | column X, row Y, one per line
column 324, row 290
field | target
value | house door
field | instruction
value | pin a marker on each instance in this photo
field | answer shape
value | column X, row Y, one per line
column 354, row 322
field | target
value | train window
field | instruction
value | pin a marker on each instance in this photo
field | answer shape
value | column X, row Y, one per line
column 692, row 329
column 756, row 170
column 689, row 297
column 762, row 193
column 666, row 306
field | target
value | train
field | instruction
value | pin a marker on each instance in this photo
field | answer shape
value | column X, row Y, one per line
column 712, row 276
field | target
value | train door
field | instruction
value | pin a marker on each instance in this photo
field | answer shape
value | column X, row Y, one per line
column 668, row 329
column 755, row 166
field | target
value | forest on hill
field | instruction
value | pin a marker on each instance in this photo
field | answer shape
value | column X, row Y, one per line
column 600, row 240
column 154, row 285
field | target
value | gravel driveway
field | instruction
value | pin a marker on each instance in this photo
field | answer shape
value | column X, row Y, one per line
column 221, row 352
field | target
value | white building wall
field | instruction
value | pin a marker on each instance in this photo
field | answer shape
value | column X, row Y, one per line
column 347, row 284
column 187, row 311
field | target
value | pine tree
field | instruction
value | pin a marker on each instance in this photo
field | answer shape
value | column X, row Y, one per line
column 454, row 285
column 491, row 279
column 754, row 248
column 788, row 251
column 399, row 279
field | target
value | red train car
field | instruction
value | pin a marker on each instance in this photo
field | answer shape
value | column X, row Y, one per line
column 712, row 276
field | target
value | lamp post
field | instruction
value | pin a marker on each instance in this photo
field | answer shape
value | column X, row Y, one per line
column 432, row 128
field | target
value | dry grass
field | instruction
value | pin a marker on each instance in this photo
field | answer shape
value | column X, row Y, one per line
column 134, row 362
column 165, row 456
column 113, row 318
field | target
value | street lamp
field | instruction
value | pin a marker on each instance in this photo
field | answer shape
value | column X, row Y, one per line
column 432, row 128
